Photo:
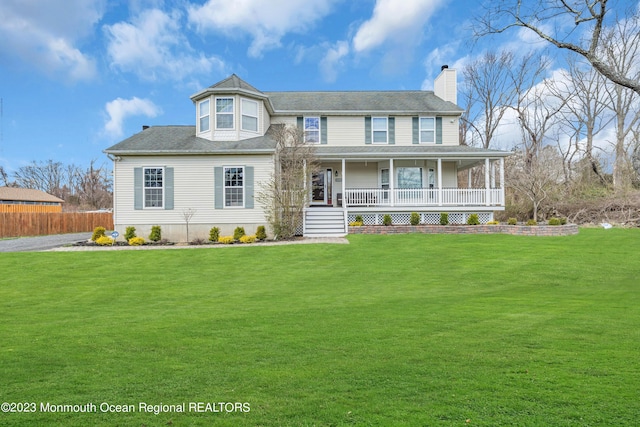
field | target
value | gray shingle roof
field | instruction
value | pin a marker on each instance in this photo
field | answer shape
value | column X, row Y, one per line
column 183, row 140
column 359, row 102
column 234, row 82
column 374, row 151
column 27, row 195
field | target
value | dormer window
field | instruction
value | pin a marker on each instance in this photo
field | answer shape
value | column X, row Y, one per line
column 249, row 115
column 204, row 112
column 224, row 113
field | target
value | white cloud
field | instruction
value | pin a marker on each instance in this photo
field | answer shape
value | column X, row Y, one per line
column 45, row 34
column 120, row 109
column 396, row 22
column 152, row 46
column 333, row 61
column 265, row 21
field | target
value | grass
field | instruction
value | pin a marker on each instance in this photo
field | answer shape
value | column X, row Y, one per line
column 478, row 330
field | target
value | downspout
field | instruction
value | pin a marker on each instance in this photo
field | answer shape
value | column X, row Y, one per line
column 115, row 160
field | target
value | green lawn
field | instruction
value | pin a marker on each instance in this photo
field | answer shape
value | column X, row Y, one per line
column 478, row 330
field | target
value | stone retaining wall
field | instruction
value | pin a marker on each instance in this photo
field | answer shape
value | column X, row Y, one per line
column 521, row 230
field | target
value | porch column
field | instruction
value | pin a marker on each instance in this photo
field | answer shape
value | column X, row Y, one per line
column 469, row 181
column 344, row 184
column 439, row 182
column 502, row 201
column 487, row 182
column 493, row 175
column 392, row 184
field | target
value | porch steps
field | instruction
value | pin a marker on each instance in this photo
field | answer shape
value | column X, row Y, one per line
column 324, row 222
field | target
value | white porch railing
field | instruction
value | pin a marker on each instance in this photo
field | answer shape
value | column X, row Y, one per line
column 424, row 197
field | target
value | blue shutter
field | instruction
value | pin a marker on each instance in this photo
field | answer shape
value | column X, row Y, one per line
column 137, row 188
column 300, row 121
column 323, row 130
column 415, row 135
column 392, row 130
column 248, row 187
column 218, row 186
column 367, row 130
column 168, row 188
column 438, row 130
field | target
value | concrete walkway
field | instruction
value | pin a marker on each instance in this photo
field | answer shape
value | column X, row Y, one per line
column 41, row 243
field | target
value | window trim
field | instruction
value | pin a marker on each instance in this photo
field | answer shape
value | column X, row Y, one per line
column 243, row 114
column 145, row 188
column 304, row 130
column 224, row 187
column 232, row 113
column 420, row 130
column 202, row 116
column 373, row 130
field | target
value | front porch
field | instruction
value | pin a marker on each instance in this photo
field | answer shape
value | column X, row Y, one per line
column 423, row 197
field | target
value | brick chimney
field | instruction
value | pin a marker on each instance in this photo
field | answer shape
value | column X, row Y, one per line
column 445, row 85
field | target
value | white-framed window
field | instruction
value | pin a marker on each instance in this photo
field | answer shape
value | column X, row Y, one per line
column 409, row 177
column 153, row 187
column 224, row 113
column 380, row 130
column 249, row 115
column 312, row 130
column 427, row 130
column 204, row 113
column 233, row 186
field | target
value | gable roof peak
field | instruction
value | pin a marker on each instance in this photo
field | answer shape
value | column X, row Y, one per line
column 234, row 82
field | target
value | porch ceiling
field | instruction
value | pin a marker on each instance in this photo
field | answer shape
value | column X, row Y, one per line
column 378, row 152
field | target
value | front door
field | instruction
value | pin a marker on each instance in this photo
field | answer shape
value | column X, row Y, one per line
column 321, row 188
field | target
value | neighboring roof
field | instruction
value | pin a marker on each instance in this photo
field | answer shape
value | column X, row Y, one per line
column 407, row 102
column 27, row 195
column 183, row 140
column 412, row 151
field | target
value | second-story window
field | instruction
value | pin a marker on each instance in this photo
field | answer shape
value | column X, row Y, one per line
column 312, row 130
column 224, row 113
column 203, row 115
column 249, row 115
column 427, row 130
column 379, row 129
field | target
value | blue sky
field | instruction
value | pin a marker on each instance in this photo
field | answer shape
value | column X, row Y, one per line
column 77, row 76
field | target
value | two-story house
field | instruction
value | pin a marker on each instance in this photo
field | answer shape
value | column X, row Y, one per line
column 381, row 152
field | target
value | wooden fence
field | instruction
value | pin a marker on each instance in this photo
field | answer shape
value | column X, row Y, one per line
column 41, row 224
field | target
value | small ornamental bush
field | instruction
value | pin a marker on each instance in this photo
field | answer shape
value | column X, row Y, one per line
column 554, row 221
column 130, row 234
column 531, row 222
column 473, row 219
column 197, row 241
column 355, row 224
column 493, row 222
column 248, row 239
column 415, row 218
column 563, row 221
column 512, row 221
column 136, row 241
column 261, row 233
column 156, row 233
column 359, row 219
column 227, row 240
column 238, row 233
column 104, row 241
column 214, row 234
column 444, row 218
column 386, row 220
column 97, row 233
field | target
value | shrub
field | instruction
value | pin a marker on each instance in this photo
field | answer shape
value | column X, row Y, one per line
column 97, row 233
column 227, row 240
column 130, row 233
column 355, row 224
column 473, row 219
column 359, row 219
column 104, row 241
column 444, row 218
column 135, row 241
column 238, row 233
column 156, row 233
column 414, row 219
column 512, row 221
column 386, row 220
column 493, row 222
column 554, row 221
column 563, row 221
column 261, row 233
column 197, row 241
column 248, row 239
column 531, row 222
column 214, row 234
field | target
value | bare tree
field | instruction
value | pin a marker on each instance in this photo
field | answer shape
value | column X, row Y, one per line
column 285, row 195
column 93, row 186
column 555, row 21
column 187, row 214
column 45, row 176
column 4, row 178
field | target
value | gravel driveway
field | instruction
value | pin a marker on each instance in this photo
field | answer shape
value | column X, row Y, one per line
column 41, row 243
